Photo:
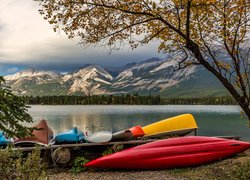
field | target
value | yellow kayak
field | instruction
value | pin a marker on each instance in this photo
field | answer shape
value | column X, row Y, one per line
column 179, row 125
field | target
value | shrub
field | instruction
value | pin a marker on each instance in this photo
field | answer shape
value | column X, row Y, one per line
column 78, row 165
column 107, row 151
column 14, row 165
column 114, row 148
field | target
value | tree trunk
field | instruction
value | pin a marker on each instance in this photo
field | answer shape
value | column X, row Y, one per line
column 194, row 48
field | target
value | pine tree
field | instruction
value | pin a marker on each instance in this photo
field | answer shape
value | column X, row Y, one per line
column 13, row 113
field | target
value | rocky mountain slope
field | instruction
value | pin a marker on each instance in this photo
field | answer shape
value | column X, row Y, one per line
column 153, row 76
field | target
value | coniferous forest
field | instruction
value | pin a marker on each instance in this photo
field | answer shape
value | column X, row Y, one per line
column 127, row 99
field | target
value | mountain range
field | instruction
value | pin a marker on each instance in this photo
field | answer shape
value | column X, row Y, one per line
column 153, row 76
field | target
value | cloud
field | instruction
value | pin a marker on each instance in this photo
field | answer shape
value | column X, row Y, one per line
column 27, row 39
column 23, row 28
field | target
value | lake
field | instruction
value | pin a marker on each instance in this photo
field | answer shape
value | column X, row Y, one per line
column 212, row 120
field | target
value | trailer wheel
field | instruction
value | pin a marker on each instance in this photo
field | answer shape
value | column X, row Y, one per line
column 61, row 156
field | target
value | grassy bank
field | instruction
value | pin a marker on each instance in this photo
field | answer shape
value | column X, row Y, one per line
column 237, row 167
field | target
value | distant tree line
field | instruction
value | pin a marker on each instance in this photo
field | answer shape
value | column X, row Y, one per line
column 224, row 100
column 128, row 99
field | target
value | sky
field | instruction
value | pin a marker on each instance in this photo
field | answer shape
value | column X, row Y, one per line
column 28, row 41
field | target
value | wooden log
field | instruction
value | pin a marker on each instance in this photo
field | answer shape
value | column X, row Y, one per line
column 79, row 145
column 89, row 145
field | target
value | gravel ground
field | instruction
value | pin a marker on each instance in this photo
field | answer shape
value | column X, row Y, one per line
column 116, row 175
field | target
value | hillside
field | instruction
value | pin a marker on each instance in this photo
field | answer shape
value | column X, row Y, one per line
column 153, row 76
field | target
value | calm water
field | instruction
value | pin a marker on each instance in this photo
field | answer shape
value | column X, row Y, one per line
column 212, row 120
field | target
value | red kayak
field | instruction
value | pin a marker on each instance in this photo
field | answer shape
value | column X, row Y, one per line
column 172, row 153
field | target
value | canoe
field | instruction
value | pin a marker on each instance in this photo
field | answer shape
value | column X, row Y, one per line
column 3, row 140
column 43, row 136
column 179, row 125
column 172, row 153
column 74, row 135
column 128, row 134
column 99, row 137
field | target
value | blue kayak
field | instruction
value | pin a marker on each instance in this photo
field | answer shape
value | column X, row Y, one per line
column 3, row 140
column 74, row 135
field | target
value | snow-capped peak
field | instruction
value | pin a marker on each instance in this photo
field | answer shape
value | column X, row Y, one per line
column 88, row 79
column 151, row 76
column 89, row 72
column 31, row 73
column 139, row 67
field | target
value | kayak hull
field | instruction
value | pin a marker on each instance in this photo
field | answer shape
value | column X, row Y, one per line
column 182, row 132
column 137, row 131
column 42, row 136
column 74, row 135
column 179, row 125
column 172, row 153
column 99, row 137
column 3, row 140
column 126, row 135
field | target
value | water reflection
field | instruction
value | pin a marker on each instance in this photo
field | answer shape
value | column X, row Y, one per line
column 212, row 120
